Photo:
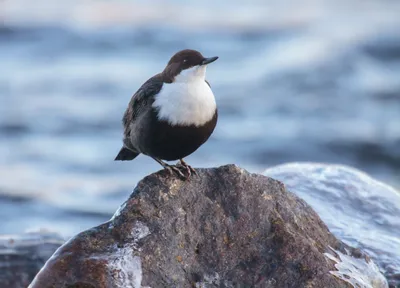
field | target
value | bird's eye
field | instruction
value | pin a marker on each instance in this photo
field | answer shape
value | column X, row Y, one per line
column 184, row 61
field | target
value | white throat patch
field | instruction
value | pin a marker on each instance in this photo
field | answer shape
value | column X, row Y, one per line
column 188, row 100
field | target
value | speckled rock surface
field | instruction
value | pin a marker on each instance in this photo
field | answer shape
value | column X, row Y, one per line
column 223, row 228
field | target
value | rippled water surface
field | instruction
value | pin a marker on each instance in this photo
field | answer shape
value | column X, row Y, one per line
column 304, row 81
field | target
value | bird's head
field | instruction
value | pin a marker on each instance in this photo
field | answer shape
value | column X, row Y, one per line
column 187, row 65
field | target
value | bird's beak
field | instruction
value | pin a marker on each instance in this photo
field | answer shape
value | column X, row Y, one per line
column 208, row 60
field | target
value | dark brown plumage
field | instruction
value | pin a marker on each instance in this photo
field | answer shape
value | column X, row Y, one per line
column 145, row 131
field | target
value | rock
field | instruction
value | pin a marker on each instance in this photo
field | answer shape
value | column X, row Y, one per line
column 223, row 228
column 22, row 256
column 355, row 207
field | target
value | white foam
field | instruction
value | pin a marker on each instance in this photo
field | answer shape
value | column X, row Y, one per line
column 125, row 268
column 123, row 265
column 140, row 230
column 118, row 212
column 357, row 271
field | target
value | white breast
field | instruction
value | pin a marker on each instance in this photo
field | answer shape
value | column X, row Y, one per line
column 188, row 100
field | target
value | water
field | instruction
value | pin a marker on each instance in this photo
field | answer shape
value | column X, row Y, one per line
column 305, row 81
column 359, row 210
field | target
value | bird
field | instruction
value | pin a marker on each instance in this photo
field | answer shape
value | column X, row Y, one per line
column 172, row 114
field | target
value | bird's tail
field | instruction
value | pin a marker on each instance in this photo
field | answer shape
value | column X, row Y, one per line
column 126, row 154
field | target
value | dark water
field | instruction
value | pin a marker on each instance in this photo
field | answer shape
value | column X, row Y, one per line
column 306, row 81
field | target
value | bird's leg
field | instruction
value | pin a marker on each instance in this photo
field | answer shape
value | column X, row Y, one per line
column 189, row 168
column 171, row 168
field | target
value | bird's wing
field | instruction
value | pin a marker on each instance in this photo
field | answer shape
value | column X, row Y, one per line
column 143, row 97
column 208, row 83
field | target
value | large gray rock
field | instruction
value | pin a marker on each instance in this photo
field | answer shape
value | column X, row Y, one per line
column 223, row 228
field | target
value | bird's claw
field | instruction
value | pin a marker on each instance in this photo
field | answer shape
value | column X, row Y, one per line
column 189, row 169
column 177, row 171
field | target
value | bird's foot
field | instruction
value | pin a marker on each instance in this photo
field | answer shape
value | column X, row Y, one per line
column 175, row 169
column 171, row 169
column 189, row 169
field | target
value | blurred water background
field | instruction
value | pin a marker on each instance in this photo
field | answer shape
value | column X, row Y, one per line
column 296, row 81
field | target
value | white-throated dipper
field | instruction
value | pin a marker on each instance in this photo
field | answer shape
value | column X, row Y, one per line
column 172, row 114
